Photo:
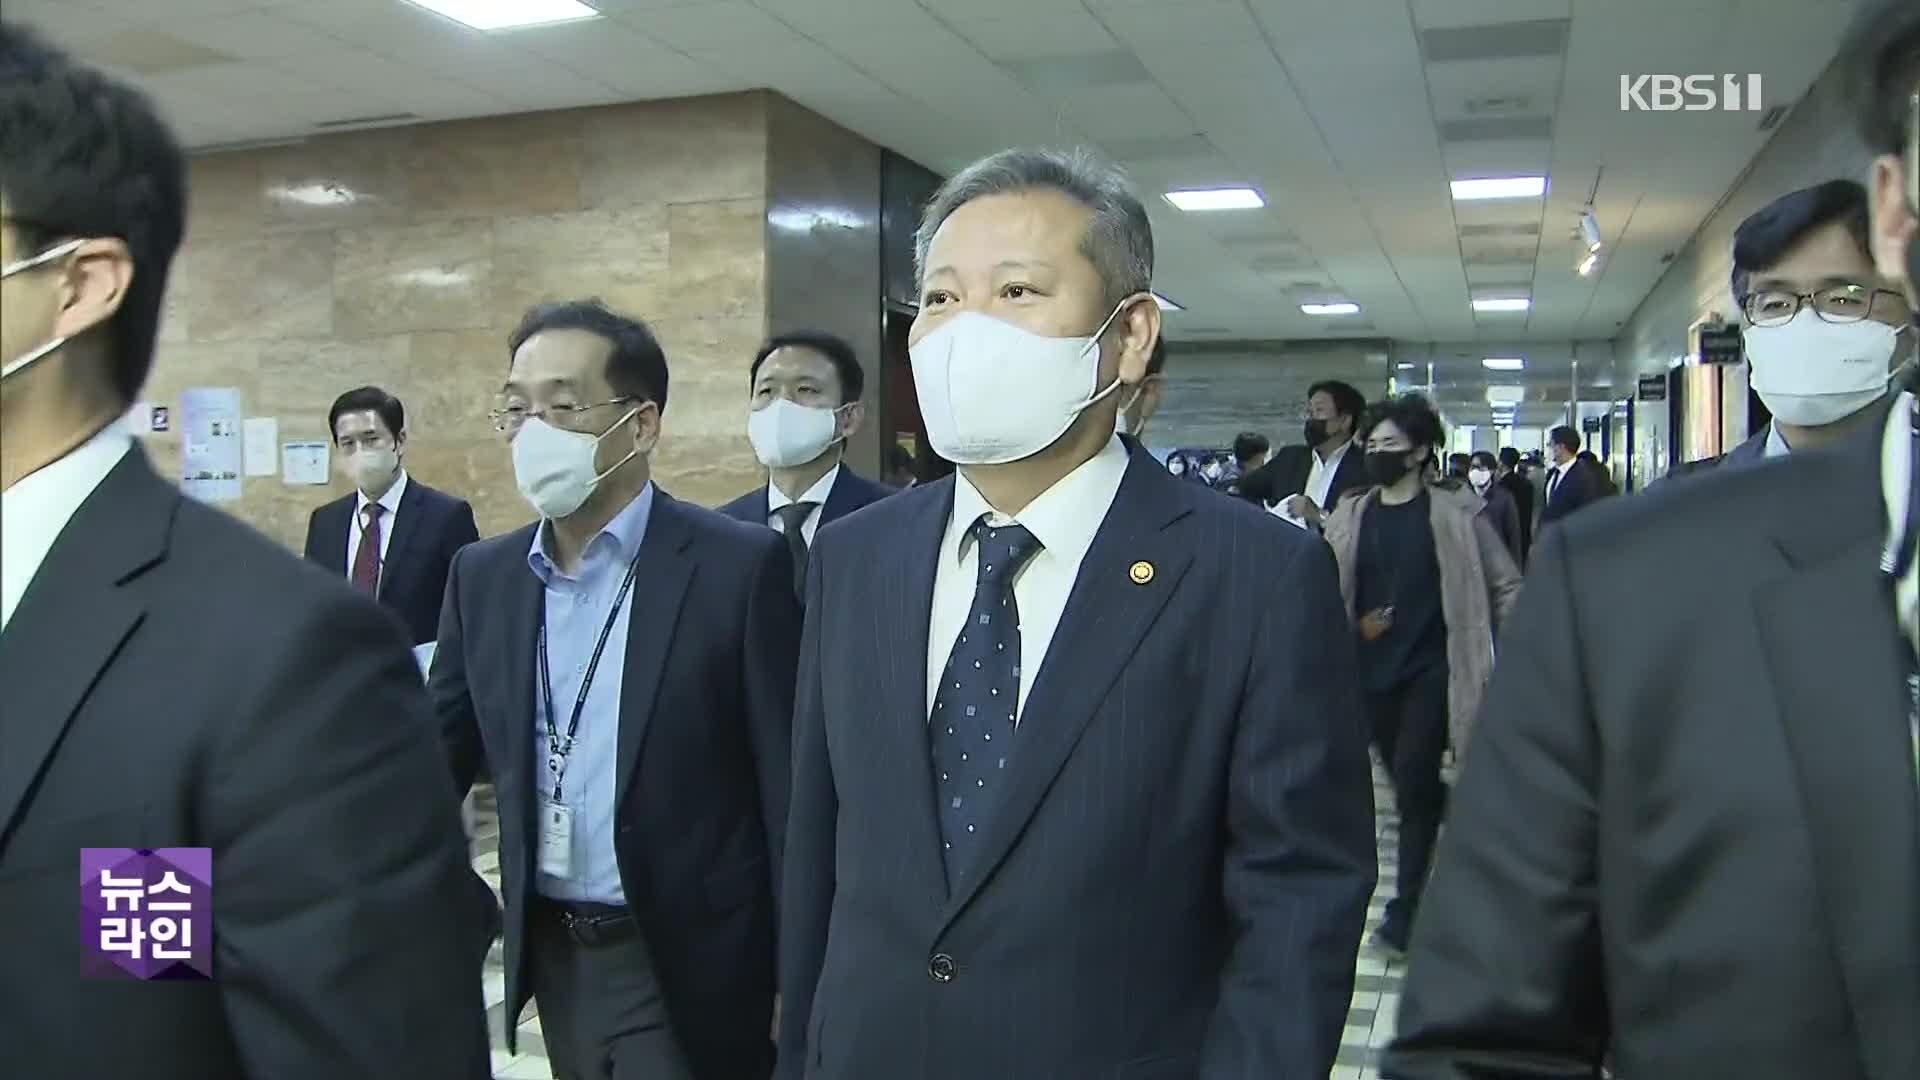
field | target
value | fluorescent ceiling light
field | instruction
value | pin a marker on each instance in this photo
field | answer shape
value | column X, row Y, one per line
column 1501, row 187
column 1216, row 199
column 1506, row 395
column 1331, row 309
column 1166, row 304
column 1510, row 303
column 506, row 14
column 1406, row 365
column 1504, row 363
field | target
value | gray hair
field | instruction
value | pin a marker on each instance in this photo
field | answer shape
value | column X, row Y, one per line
column 1119, row 240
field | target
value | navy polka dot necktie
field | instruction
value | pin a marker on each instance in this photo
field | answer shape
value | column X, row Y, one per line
column 978, row 700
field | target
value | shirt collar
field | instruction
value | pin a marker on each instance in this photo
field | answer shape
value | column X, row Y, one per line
column 1777, row 443
column 390, row 500
column 1335, row 458
column 1063, row 518
column 34, row 511
column 817, row 494
column 622, row 536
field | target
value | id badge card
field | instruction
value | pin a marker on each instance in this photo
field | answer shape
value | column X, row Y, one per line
column 556, row 839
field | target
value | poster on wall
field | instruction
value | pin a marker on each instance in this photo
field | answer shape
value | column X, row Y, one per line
column 259, row 443
column 305, row 463
column 210, row 449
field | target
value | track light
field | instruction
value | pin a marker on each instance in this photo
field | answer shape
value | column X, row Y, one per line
column 1590, row 231
column 1588, row 264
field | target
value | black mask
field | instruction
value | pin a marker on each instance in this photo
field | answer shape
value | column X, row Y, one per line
column 1386, row 467
column 1316, row 432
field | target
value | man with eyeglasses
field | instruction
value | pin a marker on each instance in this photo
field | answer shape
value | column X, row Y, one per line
column 625, row 667
column 1688, row 839
column 1823, row 332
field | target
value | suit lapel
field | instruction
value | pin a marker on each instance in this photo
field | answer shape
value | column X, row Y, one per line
column 660, row 583
column 1107, row 614
column 901, row 616
column 406, row 526
column 75, row 617
column 1843, row 705
column 840, row 498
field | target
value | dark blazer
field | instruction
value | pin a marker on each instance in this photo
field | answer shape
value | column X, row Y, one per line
column 431, row 526
column 1501, row 512
column 850, row 492
column 1175, row 882
column 1521, row 492
column 705, row 743
column 1578, row 486
column 174, row 679
column 1688, row 834
column 1289, row 470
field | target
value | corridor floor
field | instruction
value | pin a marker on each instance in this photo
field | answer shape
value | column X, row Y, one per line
column 1376, row 991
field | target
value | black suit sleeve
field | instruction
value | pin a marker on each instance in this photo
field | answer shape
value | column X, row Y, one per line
column 1300, row 861
column 1505, row 978
column 808, row 889
column 345, row 946
column 313, row 538
column 772, row 651
column 459, row 725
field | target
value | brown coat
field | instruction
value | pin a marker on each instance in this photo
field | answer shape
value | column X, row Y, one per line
column 1478, row 585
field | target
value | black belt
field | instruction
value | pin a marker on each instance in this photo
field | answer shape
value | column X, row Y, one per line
column 588, row 923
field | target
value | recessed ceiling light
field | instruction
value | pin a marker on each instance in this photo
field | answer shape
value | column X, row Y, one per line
column 1504, row 363
column 1501, row 187
column 1507, row 303
column 1216, row 199
column 1330, row 309
column 1406, row 365
column 506, row 14
column 1166, row 304
column 1506, row 395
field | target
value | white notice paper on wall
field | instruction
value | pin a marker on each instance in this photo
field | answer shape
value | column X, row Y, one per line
column 259, row 436
column 210, row 443
column 304, row 463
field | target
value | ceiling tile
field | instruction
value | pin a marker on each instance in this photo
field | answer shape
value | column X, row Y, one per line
column 718, row 26
column 254, row 35
column 1037, row 36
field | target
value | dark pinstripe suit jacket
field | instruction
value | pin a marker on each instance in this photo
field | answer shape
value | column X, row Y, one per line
column 1179, row 869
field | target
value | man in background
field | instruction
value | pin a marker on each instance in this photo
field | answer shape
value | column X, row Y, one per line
column 1570, row 484
column 1688, row 836
column 899, row 474
column 1306, row 481
column 174, row 679
column 394, row 537
column 1517, row 486
column 803, row 392
column 1822, row 331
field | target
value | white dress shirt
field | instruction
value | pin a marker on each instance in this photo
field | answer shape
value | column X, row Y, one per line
column 391, row 501
column 1776, row 443
column 1064, row 519
column 817, row 495
column 1320, row 475
column 1896, row 481
column 35, row 511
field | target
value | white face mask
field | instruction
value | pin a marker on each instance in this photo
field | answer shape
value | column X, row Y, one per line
column 1481, row 479
column 1810, row 372
column 554, row 469
column 991, row 392
column 372, row 467
column 786, row 433
column 15, row 267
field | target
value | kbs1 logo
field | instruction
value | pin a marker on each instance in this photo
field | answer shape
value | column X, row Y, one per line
column 1690, row 93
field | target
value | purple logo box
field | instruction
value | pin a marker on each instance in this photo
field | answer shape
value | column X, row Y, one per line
column 146, row 913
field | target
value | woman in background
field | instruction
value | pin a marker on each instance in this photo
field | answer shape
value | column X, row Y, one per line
column 1501, row 511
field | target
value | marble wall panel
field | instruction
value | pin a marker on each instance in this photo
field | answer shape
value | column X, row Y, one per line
column 437, row 276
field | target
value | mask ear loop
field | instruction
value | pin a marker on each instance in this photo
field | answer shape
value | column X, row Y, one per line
column 1094, row 343
column 19, row 265
column 631, row 454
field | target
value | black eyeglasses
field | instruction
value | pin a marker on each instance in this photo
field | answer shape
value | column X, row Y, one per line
column 1835, row 304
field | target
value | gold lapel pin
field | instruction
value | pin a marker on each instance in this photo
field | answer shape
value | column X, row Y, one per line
column 1141, row 572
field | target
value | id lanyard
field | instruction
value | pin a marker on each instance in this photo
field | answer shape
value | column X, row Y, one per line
column 558, row 748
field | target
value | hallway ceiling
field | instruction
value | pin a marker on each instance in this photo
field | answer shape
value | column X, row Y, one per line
column 1349, row 117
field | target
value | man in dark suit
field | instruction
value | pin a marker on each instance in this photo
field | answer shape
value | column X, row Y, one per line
column 625, row 669
column 1070, row 798
column 1307, row 480
column 1688, row 837
column 394, row 537
column 174, row 679
column 1571, row 483
column 1517, row 486
column 804, row 388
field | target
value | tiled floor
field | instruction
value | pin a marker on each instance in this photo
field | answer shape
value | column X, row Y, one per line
column 1376, row 992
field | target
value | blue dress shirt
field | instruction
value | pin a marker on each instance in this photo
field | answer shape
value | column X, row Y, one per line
column 576, row 610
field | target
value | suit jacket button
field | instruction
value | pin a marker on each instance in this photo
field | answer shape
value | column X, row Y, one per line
column 941, row 967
